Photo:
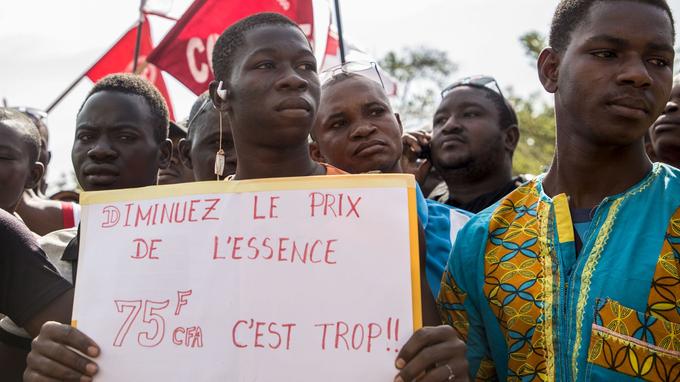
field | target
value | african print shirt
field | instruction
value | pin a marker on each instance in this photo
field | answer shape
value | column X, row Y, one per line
column 613, row 314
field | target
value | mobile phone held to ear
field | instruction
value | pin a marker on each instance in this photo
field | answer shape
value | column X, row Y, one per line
column 425, row 152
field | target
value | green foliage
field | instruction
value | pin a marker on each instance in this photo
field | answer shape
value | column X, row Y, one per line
column 421, row 73
column 536, row 121
column 533, row 42
column 537, row 135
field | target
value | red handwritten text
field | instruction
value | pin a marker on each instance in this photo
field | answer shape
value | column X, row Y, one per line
column 335, row 205
column 281, row 249
column 260, row 334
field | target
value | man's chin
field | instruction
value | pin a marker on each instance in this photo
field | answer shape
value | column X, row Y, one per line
column 453, row 164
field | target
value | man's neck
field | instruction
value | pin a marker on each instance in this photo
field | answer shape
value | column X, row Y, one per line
column 588, row 172
column 265, row 162
column 465, row 186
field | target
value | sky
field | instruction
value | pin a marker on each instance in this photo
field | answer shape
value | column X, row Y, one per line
column 45, row 45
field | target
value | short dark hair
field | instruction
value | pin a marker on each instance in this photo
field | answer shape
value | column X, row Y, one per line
column 197, row 113
column 338, row 78
column 15, row 119
column 569, row 14
column 234, row 37
column 129, row 83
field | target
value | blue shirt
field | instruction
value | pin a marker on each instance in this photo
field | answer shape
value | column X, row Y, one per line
column 527, row 314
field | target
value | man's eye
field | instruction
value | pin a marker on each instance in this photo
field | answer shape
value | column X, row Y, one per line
column 604, row 54
column 440, row 121
column 84, row 137
column 377, row 112
column 126, row 137
column 338, row 124
column 470, row 114
column 308, row 66
column 265, row 65
column 660, row 62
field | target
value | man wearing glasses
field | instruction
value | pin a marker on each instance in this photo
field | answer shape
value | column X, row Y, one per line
column 474, row 135
column 575, row 276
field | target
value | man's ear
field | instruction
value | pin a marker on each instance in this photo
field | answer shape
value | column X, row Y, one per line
column 165, row 154
column 511, row 138
column 548, row 65
column 221, row 104
column 401, row 127
column 184, row 150
column 315, row 152
column 37, row 172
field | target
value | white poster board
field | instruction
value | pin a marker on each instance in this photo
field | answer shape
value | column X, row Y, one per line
column 295, row 279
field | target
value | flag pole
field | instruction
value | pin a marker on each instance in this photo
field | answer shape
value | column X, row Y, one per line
column 65, row 92
column 139, row 35
column 75, row 82
column 341, row 41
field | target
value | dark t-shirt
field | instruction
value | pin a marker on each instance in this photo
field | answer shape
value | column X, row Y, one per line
column 483, row 201
column 28, row 281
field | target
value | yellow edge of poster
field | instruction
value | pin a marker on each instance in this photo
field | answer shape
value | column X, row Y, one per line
column 278, row 184
column 415, row 259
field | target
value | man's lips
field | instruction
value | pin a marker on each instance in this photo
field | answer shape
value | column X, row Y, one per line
column 369, row 147
column 101, row 174
column 168, row 172
column 294, row 104
column 666, row 124
column 101, row 170
column 452, row 141
column 631, row 107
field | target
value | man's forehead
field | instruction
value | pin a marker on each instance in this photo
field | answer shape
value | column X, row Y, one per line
column 352, row 90
column 274, row 37
column 111, row 107
column 465, row 95
column 626, row 22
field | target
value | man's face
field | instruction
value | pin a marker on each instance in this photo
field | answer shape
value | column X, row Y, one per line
column 15, row 165
column 665, row 132
column 205, row 142
column 615, row 75
column 115, row 145
column 274, row 88
column 466, row 130
column 176, row 172
column 355, row 128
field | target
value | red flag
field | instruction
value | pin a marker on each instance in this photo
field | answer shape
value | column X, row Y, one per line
column 186, row 51
column 119, row 60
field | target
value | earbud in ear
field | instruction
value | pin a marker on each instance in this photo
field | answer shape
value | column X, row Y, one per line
column 221, row 92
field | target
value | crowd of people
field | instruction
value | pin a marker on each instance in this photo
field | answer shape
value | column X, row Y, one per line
column 572, row 275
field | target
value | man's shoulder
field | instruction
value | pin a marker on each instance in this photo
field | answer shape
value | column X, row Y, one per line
column 59, row 236
column 55, row 242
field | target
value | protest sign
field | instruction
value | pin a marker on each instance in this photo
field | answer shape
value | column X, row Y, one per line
column 290, row 279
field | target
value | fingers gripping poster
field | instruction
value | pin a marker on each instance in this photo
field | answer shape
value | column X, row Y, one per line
column 295, row 279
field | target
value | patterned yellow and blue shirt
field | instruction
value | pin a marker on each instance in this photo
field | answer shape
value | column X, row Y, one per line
column 528, row 313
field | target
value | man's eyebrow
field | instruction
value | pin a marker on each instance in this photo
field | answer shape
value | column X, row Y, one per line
column 339, row 114
column 661, row 47
column 624, row 43
column 604, row 38
column 263, row 51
